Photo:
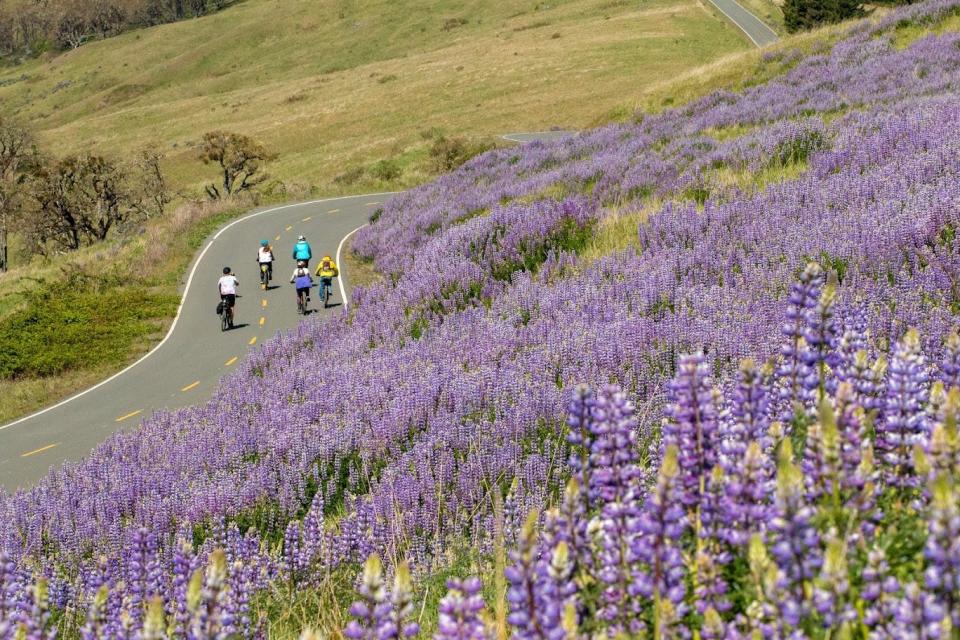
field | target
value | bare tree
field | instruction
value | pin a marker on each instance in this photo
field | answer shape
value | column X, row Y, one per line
column 79, row 199
column 73, row 26
column 18, row 158
column 147, row 187
column 240, row 160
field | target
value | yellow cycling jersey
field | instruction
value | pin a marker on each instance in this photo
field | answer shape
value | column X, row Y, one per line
column 327, row 268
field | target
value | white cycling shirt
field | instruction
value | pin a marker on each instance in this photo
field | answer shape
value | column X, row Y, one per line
column 228, row 285
column 264, row 255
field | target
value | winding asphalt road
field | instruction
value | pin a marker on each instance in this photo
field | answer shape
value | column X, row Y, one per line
column 186, row 367
column 756, row 30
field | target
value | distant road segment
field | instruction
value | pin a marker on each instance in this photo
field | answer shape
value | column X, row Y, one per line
column 756, row 30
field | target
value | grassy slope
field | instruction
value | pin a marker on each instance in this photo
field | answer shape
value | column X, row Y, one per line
column 340, row 83
column 331, row 86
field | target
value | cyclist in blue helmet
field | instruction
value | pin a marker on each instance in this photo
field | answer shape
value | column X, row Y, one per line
column 265, row 258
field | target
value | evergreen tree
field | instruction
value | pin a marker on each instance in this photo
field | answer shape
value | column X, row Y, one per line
column 799, row 15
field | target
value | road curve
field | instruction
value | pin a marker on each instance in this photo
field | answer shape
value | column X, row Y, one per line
column 755, row 29
column 537, row 136
column 188, row 364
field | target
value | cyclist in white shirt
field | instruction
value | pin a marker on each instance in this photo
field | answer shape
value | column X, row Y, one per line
column 265, row 257
column 228, row 290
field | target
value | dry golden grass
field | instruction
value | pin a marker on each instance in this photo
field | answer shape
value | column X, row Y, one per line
column 360, row 272
column 335, row 85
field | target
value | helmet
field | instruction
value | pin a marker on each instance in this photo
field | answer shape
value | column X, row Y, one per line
column 301, row 263
column 327, row 258
column 226, row 270
column 301, row 237
column 264, row 243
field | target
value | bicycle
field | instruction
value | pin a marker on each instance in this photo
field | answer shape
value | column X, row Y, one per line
column 226, row 316
column 264, row 275
column 302, row 303
column 327, row 285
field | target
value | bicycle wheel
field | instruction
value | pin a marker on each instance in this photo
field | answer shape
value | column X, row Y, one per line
column 224, row 320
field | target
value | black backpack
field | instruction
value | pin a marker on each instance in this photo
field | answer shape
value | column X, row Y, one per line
column 220, row 307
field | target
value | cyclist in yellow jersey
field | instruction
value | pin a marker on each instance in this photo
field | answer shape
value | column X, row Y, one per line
column 327, row 270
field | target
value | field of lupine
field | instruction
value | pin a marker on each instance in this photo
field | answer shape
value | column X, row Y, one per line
column 796, row 336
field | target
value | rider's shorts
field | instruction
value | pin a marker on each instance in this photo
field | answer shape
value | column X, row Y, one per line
column 230, row 299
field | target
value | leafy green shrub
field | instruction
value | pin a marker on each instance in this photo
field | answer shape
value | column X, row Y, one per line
column 387, row 170
column 799, row 148
column 64, row 328
column 349, row 176
column 446, row 154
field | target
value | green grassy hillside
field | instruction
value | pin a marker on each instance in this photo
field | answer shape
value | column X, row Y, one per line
column 335, row 85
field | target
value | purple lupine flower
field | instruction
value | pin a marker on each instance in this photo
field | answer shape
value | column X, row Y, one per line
column 568, row 524
column 373, row 608
column 714, row 628
column 795, row 370
column 950, row 365
column 866, row 380
column 821, row 464
column 692, row 427
column 750, row 407
column 558, row 591
column 96, row 623
column 942, row 550
column 879, row 595
column 821, row 335
column 944, row 448
column 398, row 623
column 711, row 588
column 796, row 544
column 527, row 615
column 136, row 572
column 832, row 588
column 292, row 557
column 613, row 454
column 746, row 501
column 182, row 571
column 918, row 615
column 206, row 597
column 461, row 612
column 655, row 547
column 852, row 340
column 580, row 438
column 904, row 423
column 313, row 535
column 616, row 487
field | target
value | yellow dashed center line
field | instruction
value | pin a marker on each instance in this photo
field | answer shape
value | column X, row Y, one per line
column 289, row 227
column 253, row 340
column 40, row 450
column 230, row 361
column 262, row 320
column 263, row 302
column 278, row 237
column 333, row 210
column 130, row 415
column 190, row 386
column 307, row 219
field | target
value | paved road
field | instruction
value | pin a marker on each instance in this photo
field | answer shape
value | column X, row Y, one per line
column 758, row 32
column 544, row 136
column 187, row 365
column 186, row 368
